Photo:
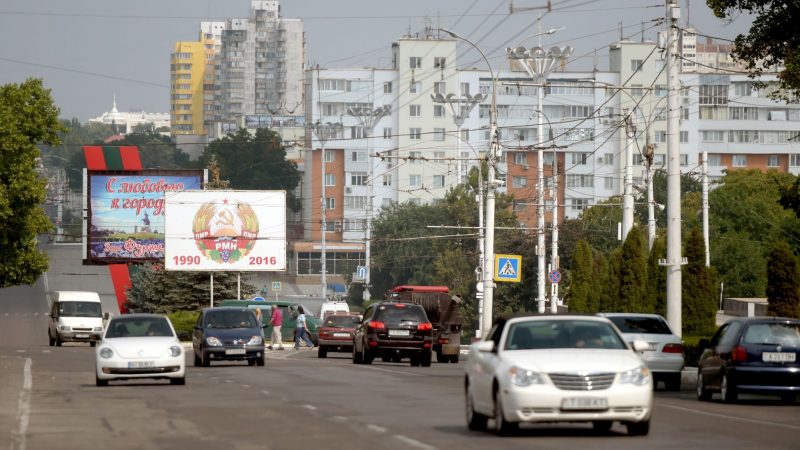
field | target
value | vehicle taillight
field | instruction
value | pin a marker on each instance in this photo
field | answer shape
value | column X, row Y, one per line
column 425, row 326
column 739, row 354
column 444, row 341
column 426, row 345
column 399, row 305
column 673, row 348
column 377, row 325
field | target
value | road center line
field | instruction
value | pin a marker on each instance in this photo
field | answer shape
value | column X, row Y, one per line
column 376, row 428
column 414, row 442
column 311, row 407
column 726, row 416
column 395, row 371
column 19, row 440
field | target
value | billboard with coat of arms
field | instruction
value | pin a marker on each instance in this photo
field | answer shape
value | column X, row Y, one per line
column 226, row 231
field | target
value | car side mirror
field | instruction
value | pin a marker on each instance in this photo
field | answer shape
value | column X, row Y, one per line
column 640, row 345
column 105, row 316
column 485, row 346
column 704, row 343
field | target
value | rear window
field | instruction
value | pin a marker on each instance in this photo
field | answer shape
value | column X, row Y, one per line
column 231, row 319
column 341, row 321
column 393, row 313
column 786, row 334
column 643, row 325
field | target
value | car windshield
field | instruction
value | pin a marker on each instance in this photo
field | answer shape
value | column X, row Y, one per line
column 643, row 325
column 341, row 321
column 231, row 319
column 80, row 309
column 548, row 334
column 124, row 327
column 399, row 313
column 786, row 334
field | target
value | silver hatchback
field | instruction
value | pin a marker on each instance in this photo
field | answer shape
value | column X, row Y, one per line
column 664, row 357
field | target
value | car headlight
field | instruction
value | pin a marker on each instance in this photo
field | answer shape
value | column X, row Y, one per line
column 213, row 341
column 525, row 377
column 638, row 376
column 98, row 328
column 64, row 327
column 255, row 340
column 175, row 350
column 106, row 352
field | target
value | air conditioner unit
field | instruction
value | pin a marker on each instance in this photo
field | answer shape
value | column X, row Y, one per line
column 348, row 190
column 524, row 167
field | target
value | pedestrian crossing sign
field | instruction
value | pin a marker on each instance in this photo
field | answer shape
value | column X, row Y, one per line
column 508, row 268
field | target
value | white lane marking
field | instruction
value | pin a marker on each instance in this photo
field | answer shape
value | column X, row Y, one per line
column 46, row 351
column 414, row 442
column 376, row 428
column 726, row 416
column 311, row 407
column 229, row 381
column 394, row 371
column 35, row 314
column 22, row 350
column 265, row 392
column 19, row 440
column 340, row 418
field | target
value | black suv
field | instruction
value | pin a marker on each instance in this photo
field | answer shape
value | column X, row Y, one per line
column 393, row 331
column 228, row 333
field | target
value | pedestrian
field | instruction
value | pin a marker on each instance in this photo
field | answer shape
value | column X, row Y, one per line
column 302, row 330
column 276, row 320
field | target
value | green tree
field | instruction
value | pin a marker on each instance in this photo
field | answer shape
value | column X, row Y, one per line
column 609, row 298
column 698, row 296
column 772, row 42
column 582, row 280
column 28, row 116
column 156, row 151
column 255, row 162
column 783, row 284
column 633, row 273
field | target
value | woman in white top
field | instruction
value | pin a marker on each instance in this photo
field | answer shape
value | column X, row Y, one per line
column 302, row 330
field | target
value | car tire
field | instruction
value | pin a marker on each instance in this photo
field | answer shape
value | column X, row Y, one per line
column 206, row 361
column 703, row 394
column 454, row 358
column 425, row 360
column 441, row 357
column 672, row 381
column 197, row 362
column 367, row 357
column 501, row 426
column 475, row 420
column 638, row 428
column 251, row 362
column 356, row 356
column 260, row 361
column 50, row 339
column 415, row 360
column 177, row 381
column 602, row 426
column 788, row 399
column 727, row 390
column 92, row 344
column 386, row 358
column 100, row 383
column 322, row 352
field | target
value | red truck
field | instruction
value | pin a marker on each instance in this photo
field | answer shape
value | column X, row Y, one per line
column 444, row 312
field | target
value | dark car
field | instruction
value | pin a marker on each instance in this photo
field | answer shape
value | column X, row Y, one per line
column 393, row 331
column 336, row 333
column 228, row 333
column 755, row 355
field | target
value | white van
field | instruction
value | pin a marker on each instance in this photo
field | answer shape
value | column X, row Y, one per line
column 333, row 307
column 75, row 316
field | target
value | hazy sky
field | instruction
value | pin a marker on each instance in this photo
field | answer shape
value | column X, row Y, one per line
column 88, row 50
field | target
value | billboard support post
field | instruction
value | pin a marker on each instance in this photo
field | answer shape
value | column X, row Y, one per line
column 212, row 289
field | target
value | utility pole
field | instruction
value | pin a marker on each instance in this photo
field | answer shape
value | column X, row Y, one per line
column 554, row 234
column 674, row 259
column 651, row 206
column 627, row 198
column 705, row 208
column 324, row 132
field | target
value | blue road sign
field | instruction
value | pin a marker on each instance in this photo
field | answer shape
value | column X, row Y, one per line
column 554, row 276
column 508, row 268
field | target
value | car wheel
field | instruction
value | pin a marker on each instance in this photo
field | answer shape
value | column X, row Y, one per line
column 454, row 358
column 415, row 360
column 322, row 352
column 58, row 340
column 672, row 381
column 441, row 357
column 205, row 360
column 92, row 344
column 788, row 399
column 475, row 420
column 50, row 339
column 703, row 394
column 367, row 357
column 602, row 426
column 177, row 381
column 99, row 382
column 638, row 428
column 386, row 358
column 356, row 356
column 727, row 390
column 197, row 362
column 397, row 358
column 425, row 360
column 501, row 426
column 260, row 361
column 251, row 362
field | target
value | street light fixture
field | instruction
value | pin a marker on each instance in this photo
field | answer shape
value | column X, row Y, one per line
column 538, row 62
column 460, row 108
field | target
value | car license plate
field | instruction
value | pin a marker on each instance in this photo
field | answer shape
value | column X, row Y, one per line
column 82, row 336
column 584, row 403
column 778, row 356
column 235, row 351
column 652, row 346
column 341, row 334
column 399, row 333
column 140, row 364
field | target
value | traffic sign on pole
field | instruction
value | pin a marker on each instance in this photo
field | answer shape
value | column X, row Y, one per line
column 554, row 276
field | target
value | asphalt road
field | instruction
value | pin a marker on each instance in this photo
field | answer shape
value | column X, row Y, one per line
column 48, row 400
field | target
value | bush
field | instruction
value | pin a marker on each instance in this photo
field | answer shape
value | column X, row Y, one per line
column 692, row 350
column 184, row 321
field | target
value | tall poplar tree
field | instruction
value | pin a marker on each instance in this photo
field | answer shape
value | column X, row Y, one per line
column 698, row 299
column 782, row 281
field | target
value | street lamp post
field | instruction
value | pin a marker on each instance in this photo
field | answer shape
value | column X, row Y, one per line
column 460, row 108
column 324, row 132
column 538, row 62
column 368, row 118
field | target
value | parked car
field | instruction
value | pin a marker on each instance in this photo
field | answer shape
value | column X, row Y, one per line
column 336, row 333
column 289, row 310
column 228, row 333
column 396, row 330
column 751, row 354
column 664, row 355
column 559, row 368
column 139, row 346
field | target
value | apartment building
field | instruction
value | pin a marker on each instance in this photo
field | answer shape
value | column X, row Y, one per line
column 187, row 68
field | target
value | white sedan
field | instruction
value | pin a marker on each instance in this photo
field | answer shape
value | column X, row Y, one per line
column 557, row 369
column 140, row 346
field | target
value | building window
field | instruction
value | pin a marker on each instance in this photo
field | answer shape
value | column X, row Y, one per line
column 521, row 158
column 438, row 110
column 387, row 87
column 519, row 181
column 415, row 180
column 358, row 156
column 772, row 161
column 636, row 65
column 579, row 204
column 794, row 159
column 713, row 94
column 465, row 134
column 414, row 157
column 355, row 202
column 713, row 113
column 714, row 159
column 387, row 132
column 742, row 113
column 439, row 62
column 608, row 183
column 415, row 88
column 684, row 137
column 330, row 156
column 438, row 181
column 358, row 132
column 330, row 179
column 636, row 90
column 712, row 136
column 440, row 87
column 739, row 161
column 438, row 134
column 415, row 62
column 414, row 110
column 579, row 158
column 438, row 156
column 358, row 179
column 660, row 137
column 330, row 203
column 387, row 180
column 684, row 159
column 415, row 133
column 464, row 89
column 608, row 159
column 580, row 180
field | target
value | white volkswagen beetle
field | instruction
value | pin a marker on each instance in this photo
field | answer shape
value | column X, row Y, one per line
column 140, row 346
column 557, row 368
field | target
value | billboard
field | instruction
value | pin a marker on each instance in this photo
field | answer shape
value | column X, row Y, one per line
column 226, row 231
column 126, row 211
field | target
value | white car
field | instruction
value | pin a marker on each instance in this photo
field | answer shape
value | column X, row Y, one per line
column 559, row 368
column 140, row 346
